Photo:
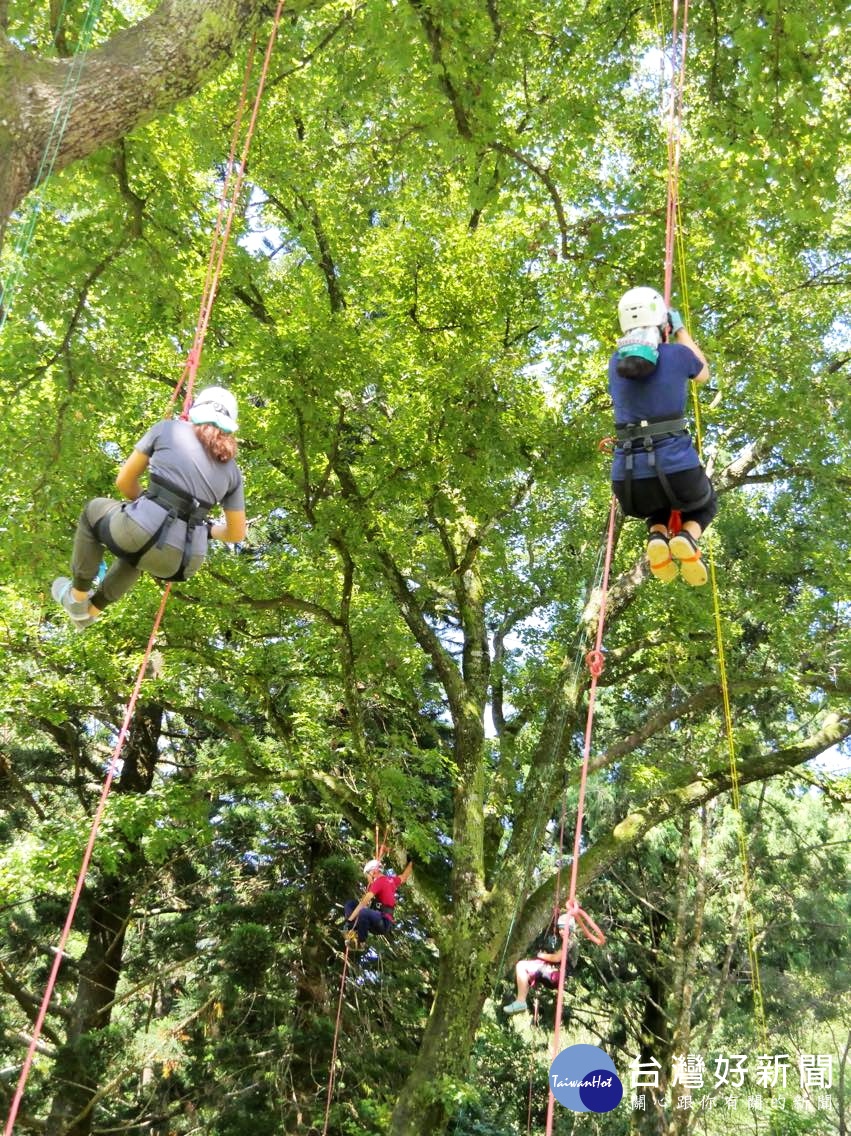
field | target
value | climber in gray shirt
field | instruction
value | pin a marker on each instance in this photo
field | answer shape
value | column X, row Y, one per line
column 162, row 529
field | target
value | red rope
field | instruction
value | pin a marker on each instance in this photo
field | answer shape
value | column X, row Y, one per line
column 214, row 267
column 84, row 867
column 674, row 138
column 678, row 73
column 333, row 1073
column 583, row 921
column 223, row 231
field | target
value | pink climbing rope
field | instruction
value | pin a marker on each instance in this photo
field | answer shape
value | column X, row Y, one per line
column 332, row 1076
column 595, row 662
column 230, row 194
column 84, row 867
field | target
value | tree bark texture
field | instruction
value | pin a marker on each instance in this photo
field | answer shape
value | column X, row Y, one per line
column 424, row 1104
column 80, row 1064
column 138, row 73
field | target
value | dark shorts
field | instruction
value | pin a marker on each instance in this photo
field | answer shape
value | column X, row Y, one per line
column 651, row 504
column 368, row 921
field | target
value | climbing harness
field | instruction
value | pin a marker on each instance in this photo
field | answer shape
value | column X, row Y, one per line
column 648, row 432
column 231, row 190
column 177, row 505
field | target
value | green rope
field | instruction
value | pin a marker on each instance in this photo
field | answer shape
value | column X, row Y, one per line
column 48, row 159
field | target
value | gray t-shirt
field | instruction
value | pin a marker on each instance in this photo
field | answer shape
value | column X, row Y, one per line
column 178, row 457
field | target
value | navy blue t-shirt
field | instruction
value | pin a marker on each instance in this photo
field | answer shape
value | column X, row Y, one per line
column 661, row 395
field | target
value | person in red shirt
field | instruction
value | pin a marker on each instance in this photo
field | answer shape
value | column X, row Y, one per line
column 374, row 911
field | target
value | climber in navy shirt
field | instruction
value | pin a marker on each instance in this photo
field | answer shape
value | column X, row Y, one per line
column 656, row 468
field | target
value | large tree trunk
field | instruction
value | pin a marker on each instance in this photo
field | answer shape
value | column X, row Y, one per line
column 445, row 1049
column 139, row 73
column 80, row 1065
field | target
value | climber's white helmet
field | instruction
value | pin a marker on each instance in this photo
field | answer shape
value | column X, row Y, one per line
column 216, row 406
column 642, row 307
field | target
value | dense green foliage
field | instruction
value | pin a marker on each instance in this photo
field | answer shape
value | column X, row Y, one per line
column 445, row 202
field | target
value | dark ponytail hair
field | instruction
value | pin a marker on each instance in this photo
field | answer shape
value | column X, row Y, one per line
column 634, row 367
column 219, row 445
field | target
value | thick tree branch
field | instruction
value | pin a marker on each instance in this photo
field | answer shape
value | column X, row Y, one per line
column 406, row 602
column 550, row 186
column 282, row 599
column 28, row 1002
column 435, row 38
column 140, row 72
column 709, row 695
column 685, row 792
column 135, row 203
column 79, row 308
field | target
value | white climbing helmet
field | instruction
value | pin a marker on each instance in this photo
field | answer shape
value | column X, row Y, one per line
column 564, row 921
column 216, row 406
column 642, row 307
column 371, row 866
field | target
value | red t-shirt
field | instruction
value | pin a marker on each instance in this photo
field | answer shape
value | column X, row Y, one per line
column 384, row 889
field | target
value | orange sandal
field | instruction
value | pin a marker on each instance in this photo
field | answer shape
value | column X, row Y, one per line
column 683, row 547
column 659, row 558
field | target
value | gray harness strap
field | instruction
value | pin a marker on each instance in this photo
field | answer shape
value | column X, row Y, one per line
column 178, row 506
column 647, row 432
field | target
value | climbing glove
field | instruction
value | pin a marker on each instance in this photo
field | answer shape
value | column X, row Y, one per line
column 675, row 320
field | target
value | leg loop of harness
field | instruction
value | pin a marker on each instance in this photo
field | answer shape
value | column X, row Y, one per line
column 176, row 506
column 649, row 432
column 627, row 484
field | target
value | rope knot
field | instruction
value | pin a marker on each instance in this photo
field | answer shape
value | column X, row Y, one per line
column 595, row 662
column 585, row 923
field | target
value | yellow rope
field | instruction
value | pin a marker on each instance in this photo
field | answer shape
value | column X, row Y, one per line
column 735, row 791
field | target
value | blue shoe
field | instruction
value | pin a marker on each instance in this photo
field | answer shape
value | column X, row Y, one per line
column 77, row 610
column 515, row 1007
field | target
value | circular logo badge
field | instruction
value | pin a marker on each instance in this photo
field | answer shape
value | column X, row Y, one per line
column 583, row 1078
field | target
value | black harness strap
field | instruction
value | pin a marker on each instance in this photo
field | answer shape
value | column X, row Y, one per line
column 178, row 506
column 648, row 431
